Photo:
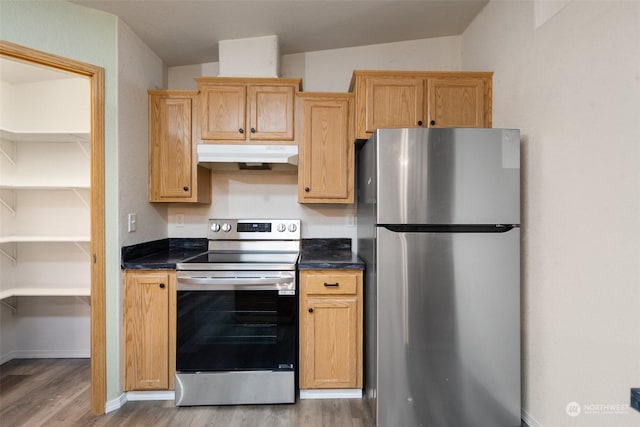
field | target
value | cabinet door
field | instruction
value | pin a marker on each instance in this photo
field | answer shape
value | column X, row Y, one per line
column 149, row 330
column 393, row 103
column 330, row 355
column 271, row 112
column 223, row 112
column 326, row 170
column 170, row 165
column 455, row 102
column 330, row 329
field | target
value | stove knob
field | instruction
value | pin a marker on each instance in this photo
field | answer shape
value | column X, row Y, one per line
column 226, row 227
column 292, row 228
column 215, row 227
column 281, row 227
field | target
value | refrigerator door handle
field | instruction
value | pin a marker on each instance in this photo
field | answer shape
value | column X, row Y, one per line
column 449, row 228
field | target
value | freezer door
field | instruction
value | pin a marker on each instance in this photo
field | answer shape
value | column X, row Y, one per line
column 447, row 176
column 448, row 329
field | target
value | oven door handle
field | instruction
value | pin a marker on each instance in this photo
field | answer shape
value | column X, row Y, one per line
column 235, row 283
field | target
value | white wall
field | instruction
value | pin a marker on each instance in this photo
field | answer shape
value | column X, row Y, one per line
column 259, row 195
column 568, row 75
column 67, row 108
column 139, row 69
column 330, row 70
column 67, row 331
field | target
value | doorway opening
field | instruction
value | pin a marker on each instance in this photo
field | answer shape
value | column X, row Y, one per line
column 94, row 200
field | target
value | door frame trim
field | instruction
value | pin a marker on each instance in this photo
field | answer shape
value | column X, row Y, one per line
column 95, row 75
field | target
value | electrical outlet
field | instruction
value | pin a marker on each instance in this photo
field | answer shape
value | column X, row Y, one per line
column 132, row 222
column 179, row 220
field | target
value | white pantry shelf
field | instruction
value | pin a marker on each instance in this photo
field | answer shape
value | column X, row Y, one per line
column 45, row 186
column 12, row 253
column 37, row 169
column 27, row 291
column 9, row 199
column 18, row 136
column 44, row 239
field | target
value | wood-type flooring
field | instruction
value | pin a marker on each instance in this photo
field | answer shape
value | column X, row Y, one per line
column 55, row 392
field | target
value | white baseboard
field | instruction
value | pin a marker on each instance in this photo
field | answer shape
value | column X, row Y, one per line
column 151, row 395
column 116, row 403
column 338, row 393
column 527, row 418
column 132, row 396
column 7, row 357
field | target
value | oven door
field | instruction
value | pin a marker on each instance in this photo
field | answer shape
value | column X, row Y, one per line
column 236, row 321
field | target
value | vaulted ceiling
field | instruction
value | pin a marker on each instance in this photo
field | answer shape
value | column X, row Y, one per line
column 184, row 32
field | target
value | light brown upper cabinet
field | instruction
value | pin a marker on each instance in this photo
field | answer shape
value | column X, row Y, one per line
column 247, row 110
column 393, row 102
column 174, row 175
column 397, row 99
column 326, row 150
column 458, row 102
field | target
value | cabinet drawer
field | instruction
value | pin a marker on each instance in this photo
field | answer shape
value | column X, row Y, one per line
column 343, row 284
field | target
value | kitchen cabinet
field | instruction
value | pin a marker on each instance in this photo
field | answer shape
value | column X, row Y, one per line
column 330, row 329
column 247, row 110
column 174, row 175
column 326, row 149
column 149, row 329
column 397, row 99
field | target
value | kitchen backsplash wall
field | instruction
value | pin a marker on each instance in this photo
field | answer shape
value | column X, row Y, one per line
column 259, row 195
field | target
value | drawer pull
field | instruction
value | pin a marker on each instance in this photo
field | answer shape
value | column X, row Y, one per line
column 332, row 285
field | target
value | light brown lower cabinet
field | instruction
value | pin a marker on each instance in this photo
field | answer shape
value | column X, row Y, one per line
column 149, row 329
column 330, row 329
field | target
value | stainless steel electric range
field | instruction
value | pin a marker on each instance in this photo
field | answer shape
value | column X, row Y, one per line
column 236, row 322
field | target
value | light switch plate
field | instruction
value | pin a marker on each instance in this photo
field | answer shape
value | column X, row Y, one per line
column 132, row 222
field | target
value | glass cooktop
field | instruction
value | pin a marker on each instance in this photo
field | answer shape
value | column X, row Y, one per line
column 240, row 260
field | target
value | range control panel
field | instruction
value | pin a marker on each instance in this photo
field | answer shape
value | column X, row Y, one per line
column 260, row 229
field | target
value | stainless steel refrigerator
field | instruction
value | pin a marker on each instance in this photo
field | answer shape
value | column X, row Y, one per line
column 438, row 219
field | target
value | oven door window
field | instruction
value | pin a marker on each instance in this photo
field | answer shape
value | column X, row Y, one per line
column 235, row 330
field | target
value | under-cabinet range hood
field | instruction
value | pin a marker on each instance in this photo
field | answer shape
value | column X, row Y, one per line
column 249, row 156
column 249, row 57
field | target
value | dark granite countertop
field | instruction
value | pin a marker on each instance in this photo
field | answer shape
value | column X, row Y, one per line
column 164, row 254
column 334, row 254
column 161, row 254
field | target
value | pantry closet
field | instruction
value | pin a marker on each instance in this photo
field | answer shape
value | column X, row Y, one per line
column 45, row 271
